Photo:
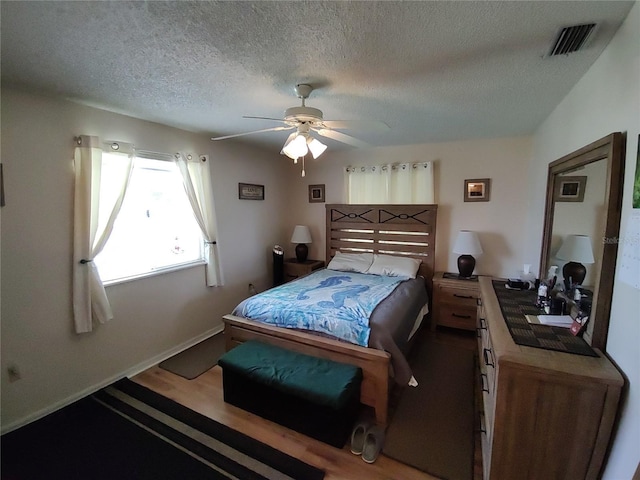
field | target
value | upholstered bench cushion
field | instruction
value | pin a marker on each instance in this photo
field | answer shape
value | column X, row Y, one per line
column 320, row 381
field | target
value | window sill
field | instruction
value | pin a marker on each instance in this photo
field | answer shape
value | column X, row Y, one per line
column 159, row 271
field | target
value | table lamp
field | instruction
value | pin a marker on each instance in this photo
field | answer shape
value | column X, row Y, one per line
column 467, row 244
column 577, row 250
column 301, row 236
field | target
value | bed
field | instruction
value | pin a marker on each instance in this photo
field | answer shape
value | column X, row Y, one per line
column 406, row 231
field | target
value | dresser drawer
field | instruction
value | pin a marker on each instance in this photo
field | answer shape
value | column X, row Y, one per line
column 488, row 359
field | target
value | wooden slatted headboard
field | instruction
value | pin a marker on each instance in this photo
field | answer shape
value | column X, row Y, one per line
column 403, row 230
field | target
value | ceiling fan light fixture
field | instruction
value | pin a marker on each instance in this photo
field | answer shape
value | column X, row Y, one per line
column 287, row 142
column 296, row 148
column 307, row 119
column 316, row 147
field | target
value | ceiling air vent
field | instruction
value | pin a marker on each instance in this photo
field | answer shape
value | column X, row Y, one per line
column 571, row 39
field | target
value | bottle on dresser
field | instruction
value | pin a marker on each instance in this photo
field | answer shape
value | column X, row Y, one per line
column 543, row 294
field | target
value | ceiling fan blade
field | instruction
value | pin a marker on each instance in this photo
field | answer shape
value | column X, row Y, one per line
column 369, row 125
column 274, row 129
column 341, row 137
column 266, row 118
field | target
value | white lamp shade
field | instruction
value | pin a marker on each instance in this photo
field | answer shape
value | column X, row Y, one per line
column 287, row 142
column 467, row 243
column 576, row 248
column 315, row 146
column 301, row 234
column 296, row 148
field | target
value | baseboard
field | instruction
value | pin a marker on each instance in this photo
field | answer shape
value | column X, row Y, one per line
column 141, row 367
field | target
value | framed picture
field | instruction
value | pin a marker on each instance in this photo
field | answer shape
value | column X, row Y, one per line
column 249, row 191
column 570, row 189
column 477, row 190
column 316, row 193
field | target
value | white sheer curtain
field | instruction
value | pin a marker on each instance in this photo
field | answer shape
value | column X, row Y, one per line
column 93, row 220
column 197, row 183
column 392, row 183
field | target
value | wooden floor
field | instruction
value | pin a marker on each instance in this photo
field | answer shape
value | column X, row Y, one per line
column 204, row 395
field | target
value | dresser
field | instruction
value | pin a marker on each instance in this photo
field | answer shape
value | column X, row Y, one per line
column 294, row 269
column 546, row 414
column 454, row 301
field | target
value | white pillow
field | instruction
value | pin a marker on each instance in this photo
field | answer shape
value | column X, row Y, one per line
column 351, row 262
column 393, row 266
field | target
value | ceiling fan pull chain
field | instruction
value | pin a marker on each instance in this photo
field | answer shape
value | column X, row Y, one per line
column 303, row 174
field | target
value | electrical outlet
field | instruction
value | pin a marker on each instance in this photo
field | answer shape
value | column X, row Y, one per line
column 14, row 373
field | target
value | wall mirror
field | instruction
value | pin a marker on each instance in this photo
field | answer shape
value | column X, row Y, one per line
column 584, row 198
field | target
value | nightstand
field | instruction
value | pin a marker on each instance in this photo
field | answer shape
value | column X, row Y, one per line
column 294, row 269
column 455, row 301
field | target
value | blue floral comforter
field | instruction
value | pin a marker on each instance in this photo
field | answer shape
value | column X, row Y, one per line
column 327, row 301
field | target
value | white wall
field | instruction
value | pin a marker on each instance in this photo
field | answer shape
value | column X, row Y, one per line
column 606, row 100
column 498, row 222
column 153, row 316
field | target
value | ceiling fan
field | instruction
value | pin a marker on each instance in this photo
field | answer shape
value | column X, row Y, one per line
column 308, row 119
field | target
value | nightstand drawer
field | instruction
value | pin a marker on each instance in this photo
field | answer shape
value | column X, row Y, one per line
column 457, row 316
column 294, row 269
column 458, row 296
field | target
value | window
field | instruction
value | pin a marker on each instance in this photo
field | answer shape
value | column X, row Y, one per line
column 155, row 229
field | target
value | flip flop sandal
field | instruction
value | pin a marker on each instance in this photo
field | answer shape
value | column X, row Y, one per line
column 357, row 437
column 373, row 442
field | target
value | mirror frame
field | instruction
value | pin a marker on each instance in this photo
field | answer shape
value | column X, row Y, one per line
column 611, row 149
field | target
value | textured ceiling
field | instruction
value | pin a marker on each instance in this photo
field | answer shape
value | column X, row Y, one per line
column 432, row 71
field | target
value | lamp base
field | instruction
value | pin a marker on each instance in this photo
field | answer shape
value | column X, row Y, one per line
column 573, row 273
column 466, row 264
column 301, row 252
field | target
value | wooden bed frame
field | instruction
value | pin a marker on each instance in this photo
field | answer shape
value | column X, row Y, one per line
column 407, row 230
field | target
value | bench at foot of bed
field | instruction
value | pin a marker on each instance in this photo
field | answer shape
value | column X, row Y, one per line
column 314, row 396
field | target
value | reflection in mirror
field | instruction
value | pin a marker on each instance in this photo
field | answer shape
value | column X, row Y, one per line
column 584, row 198
column 582, row 218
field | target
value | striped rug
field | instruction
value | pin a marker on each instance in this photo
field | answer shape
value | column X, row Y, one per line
column 230, row 453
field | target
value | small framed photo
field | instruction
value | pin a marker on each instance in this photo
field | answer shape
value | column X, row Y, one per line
column 249, row 191
column 477, row 190
column 316, row 193
column 570, row 189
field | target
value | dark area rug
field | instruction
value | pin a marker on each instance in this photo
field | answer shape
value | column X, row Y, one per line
column 432, row 427
column 196, row 360
column 88, row 441
column 128, row 431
